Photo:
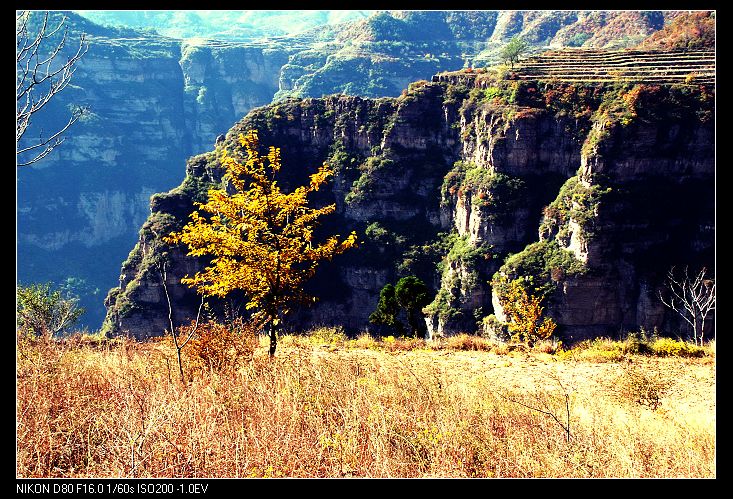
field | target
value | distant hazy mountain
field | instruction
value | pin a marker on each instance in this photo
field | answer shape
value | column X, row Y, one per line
column 229, row 25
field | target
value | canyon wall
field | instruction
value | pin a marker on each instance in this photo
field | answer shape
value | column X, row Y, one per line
column 464, row 180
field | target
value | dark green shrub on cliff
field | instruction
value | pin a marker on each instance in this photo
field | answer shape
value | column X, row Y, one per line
column 362, row 187
column 452, row 182
column 463, row 254
column 595, row 137
column 624, row 104
column 444, row 306
column 406, row 299
column 367, row 182
column 543, row 264
column 403, row 247
column 152, row 250
column 193, row 189
column 616, row 106
column 340, row 159
column 467, row 254
column 575, row 201
column 415, row 86
column 383, row 236
column 133, row 258
column 497, row 193
column 423, row 258
column 574, row 100
column 455, row 94
column 524, row 93
column 158, row 225
column 466, row 176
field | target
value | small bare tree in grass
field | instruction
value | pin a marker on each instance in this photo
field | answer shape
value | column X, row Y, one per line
column 692, row 297
column 41, row 73
column 555, row 406
column 190, row 332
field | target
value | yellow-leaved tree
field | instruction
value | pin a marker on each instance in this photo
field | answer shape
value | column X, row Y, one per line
column 260, row 238
column 524, row 313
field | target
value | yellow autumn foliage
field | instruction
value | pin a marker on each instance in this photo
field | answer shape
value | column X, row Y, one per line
column 260, row 238
column 524, row 313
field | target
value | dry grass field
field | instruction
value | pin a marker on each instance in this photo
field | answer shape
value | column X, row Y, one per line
column 326, row 406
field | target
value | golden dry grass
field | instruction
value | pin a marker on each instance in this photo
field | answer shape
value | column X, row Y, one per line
column 326, row 407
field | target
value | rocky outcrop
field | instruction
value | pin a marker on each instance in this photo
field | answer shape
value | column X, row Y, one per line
column 222, row 83
column 642, row 202
column 452, row 185
column 398, row 175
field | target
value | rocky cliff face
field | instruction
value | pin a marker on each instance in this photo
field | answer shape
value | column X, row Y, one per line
column 155, row 101
column 659, row 213
column 222, row 83
column 641, row 202
column 570, row 184
column 368, row 143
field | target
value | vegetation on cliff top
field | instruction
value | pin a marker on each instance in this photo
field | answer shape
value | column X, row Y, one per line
column 496, row 194
column 687, row 31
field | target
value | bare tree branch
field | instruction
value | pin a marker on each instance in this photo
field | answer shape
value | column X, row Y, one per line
column 179, row 346
column 546, row 409
column 693, row 298
column 40, row 75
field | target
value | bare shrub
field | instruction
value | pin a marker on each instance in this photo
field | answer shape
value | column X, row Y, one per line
column 218, row 347
column 637, row 386
column 692, row 297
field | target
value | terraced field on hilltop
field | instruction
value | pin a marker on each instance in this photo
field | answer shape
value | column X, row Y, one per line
column 584, row 65
column 695, row 67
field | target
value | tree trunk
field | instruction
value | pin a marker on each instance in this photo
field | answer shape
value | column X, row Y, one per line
column 273, row 340
column 180, row 364
column 699, row 325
